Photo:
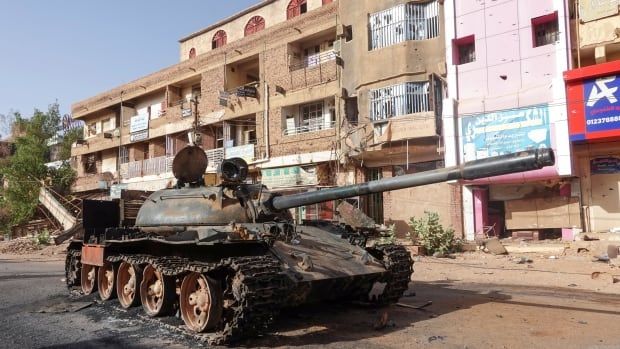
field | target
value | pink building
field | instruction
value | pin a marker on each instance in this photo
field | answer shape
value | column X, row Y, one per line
column 506, row 93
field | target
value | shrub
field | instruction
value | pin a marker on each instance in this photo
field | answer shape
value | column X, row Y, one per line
column 43, row 238
column 428, row 232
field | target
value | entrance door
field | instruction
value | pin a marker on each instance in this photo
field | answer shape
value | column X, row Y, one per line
column 375, row 201
column 605, row 201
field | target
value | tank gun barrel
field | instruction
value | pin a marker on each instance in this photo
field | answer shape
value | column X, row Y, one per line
column 494, row 166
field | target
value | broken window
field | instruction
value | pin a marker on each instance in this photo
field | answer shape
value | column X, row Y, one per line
column 545, row 29
column 90, row 163
column 464, row 50
column 411, row 21
column 403, row 99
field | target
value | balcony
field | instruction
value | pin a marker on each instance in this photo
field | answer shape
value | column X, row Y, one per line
column 314, row 127
column 149, row 167
column 313, row 70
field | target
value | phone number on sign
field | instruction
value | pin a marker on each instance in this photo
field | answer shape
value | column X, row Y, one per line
column 598, row 121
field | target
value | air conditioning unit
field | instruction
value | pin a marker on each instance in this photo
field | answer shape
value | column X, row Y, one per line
column 337, row 46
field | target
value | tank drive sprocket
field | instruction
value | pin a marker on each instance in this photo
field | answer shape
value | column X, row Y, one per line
column 397, row 260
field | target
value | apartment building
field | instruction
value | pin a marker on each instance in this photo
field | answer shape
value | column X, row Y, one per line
column 506, row 93
column 592, row 93
column 313, row 93
column 262, row 85
column 394, row 78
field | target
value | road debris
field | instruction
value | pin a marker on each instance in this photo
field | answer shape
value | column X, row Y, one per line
column 64, row 307
column 418, row 306
column 494, row 246
column 23, row 245
column 382, row 321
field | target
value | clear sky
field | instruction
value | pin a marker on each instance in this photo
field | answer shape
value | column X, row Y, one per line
column 72, row 49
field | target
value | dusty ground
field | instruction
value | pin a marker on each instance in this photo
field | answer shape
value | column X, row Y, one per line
column 478, row 301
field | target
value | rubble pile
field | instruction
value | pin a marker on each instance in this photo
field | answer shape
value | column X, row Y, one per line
column 23, row 245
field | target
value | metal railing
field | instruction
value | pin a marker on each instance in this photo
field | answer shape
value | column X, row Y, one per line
column 148, row 167
column 314, row 60
column 215, row 157
column 313, row 127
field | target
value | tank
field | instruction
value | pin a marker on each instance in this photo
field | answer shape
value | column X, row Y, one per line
column 226, row 258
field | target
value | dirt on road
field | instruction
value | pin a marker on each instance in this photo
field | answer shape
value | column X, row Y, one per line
column 475, row 300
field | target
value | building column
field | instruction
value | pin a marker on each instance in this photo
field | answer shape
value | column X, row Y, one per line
column 469, row 230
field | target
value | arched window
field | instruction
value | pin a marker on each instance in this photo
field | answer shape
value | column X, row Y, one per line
column 255, row 24
column 296, row 8
column 327, row 1
column 219, row 39
column 192, row 53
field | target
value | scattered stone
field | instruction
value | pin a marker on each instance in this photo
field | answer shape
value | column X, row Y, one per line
column 436, row 338
column 523, row 260
column 19, row 246
column 499, row 316
column 572, row 285
column 494, row 246
column 601, row 258
column 553, row 257
column 415, row 306
column 582, row 322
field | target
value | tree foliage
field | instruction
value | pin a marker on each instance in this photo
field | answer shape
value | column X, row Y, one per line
column 26, row 169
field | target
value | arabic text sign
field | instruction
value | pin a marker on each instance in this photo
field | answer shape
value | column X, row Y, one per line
column 139, row 122
column 602, row 110
column 505, row 131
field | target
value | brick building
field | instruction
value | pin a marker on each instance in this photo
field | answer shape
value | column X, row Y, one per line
column 300, row 89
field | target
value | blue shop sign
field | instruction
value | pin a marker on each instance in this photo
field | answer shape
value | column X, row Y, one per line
column 601, row 104
column 505, row 131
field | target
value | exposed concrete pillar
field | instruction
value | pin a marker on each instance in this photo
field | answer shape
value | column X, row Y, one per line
column 600, row 55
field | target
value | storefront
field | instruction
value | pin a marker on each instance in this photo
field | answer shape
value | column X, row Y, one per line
column 532, row 204
column 594, row 124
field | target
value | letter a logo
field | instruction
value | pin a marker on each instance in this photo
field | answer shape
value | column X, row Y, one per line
column 600, row 90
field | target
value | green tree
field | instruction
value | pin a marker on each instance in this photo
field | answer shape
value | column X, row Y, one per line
column 26, row 168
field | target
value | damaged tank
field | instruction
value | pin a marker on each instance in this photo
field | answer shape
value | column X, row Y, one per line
column 227, row 257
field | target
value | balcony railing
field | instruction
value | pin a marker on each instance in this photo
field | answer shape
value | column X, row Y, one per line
column 314, row 60
column 149, row 167
column 315, row 127
column 313, row 70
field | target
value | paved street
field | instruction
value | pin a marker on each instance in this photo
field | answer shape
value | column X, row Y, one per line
column 462, row 314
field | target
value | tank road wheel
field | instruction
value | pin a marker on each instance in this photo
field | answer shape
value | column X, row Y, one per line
column 106, row 282
column 157, row 292
column 200, row 302
column 128, row 279
column 88, row 278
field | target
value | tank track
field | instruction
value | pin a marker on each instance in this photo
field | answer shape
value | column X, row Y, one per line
column 72, row 269
column 397, row 260
column 255, row 289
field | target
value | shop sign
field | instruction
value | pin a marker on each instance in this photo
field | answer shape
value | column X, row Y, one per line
column 247, row 91
column 288, row 177
column 602, row 110
column 505, row 131
column 246, row 152
column 605, row 165
column 186, row 112
column 139, row 122
column 139, row 136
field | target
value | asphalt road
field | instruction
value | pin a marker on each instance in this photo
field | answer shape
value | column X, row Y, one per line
column 33, row 298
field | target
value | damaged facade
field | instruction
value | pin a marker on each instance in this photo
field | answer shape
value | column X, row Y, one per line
column 506, row 93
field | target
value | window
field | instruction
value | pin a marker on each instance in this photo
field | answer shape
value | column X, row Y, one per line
column 124, row 155
column 348, row 33
column 254, row 25
column 296, row 8
column 90, row 163
column 192, row 53
column 325, row 2
column 403, row 99
column 219, row 39
column 411, row 21
column 464, row 50
column 312, row 115
column 545, row 30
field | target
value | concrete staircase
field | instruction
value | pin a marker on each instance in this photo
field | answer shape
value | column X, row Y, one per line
column 50, row 200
